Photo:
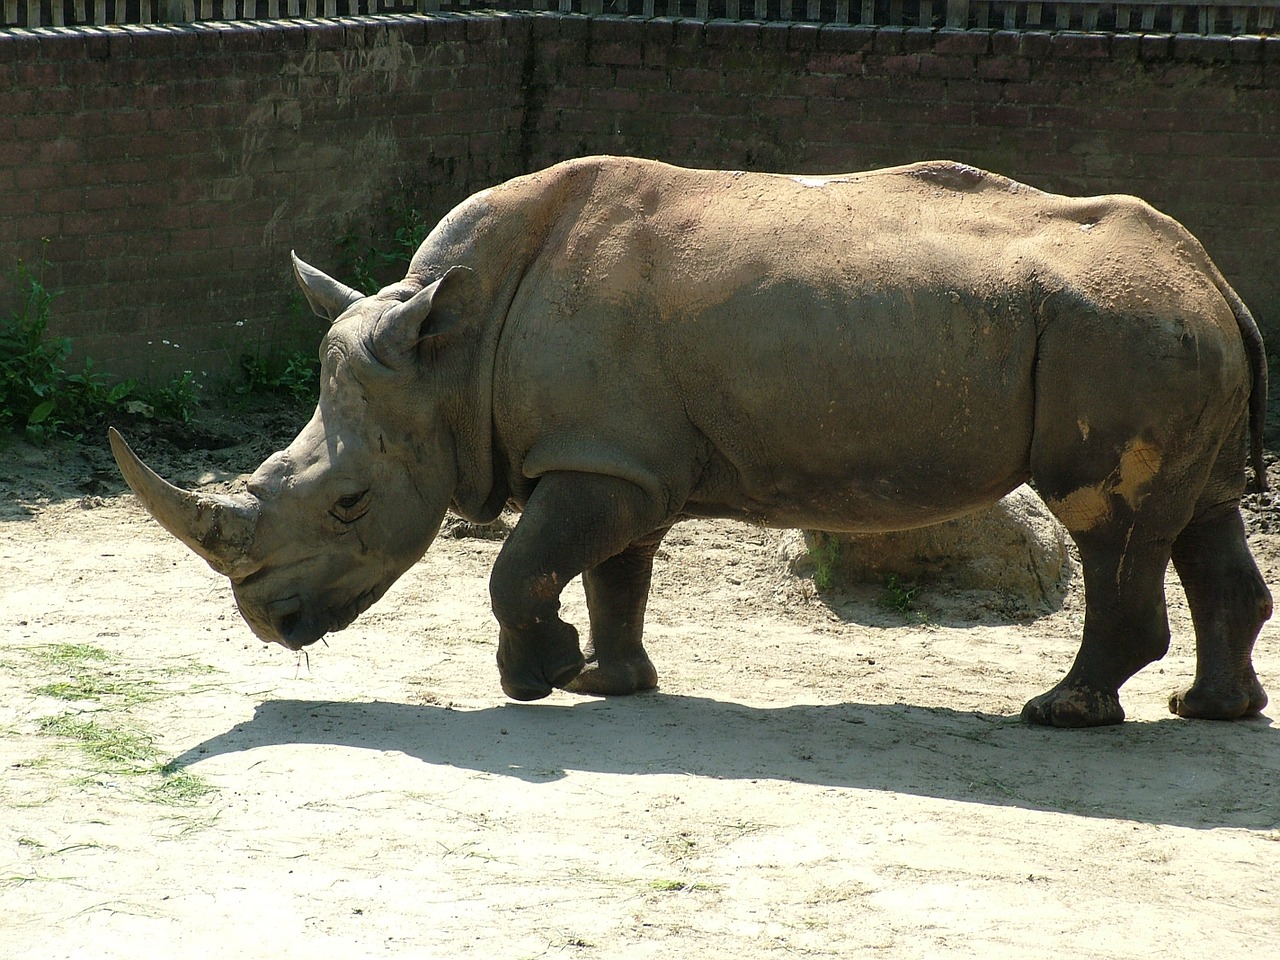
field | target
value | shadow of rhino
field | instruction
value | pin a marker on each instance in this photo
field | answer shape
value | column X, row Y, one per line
column 1171, row 772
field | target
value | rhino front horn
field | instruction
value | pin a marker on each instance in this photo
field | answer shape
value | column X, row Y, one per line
column 220, row 529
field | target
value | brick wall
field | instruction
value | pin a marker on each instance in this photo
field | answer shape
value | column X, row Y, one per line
column 173, row 168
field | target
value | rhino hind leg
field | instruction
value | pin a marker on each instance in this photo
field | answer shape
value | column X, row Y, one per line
column 572, row 522
column 1229, row 603
column 1125, row 628
column 617, row 595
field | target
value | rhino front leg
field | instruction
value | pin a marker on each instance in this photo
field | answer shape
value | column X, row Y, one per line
column 617, row 594
column 572, row 522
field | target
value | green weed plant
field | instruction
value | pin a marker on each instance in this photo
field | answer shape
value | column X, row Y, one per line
column 371, row 266
column 40, row 400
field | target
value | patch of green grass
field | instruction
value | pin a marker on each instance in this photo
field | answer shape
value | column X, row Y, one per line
column 17, row 880
column 178, row 785
column 69, row 654
column 113, row 748
column 127, row 752
column 85, row 681
column 826, row 557
column 96, row 687
column 191, row 669
column 680, row 886
column 899, row 597
column 116, row 749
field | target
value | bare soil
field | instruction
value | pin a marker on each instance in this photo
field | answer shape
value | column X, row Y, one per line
column 819, row 775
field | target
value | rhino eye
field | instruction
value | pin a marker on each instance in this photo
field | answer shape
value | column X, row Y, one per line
column 349, row 508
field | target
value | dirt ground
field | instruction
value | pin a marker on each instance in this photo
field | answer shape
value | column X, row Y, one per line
column 817, row 776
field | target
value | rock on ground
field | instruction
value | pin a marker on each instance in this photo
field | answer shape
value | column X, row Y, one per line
column 1016, row 547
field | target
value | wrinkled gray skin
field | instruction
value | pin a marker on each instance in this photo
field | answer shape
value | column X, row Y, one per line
column 613, row 345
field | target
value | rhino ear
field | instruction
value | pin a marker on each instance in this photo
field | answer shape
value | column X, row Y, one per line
column 431, row 312
column 328, row 297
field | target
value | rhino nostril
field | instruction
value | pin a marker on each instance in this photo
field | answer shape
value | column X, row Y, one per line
column 288, row 625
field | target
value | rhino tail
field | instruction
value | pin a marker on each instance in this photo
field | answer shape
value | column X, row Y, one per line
column 1257, row 355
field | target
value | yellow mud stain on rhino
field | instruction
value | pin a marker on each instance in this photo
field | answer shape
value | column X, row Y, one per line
column 1139, row 463
column 1092, row 504
column 1083, row 509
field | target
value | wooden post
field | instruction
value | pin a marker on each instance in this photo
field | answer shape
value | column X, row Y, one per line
column 958, row 13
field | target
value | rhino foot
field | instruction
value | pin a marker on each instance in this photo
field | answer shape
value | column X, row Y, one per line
column 1074, row 706
column 1207, row 701
column 615, row 678
column 534, row 685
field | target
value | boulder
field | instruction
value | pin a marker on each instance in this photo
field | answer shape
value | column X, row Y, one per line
column 1016, row 548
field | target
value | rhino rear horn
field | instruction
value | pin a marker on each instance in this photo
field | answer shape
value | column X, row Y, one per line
column 219, row 529
column 328, row 297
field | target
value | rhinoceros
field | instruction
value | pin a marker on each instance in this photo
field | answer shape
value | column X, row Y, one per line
column 612, row 345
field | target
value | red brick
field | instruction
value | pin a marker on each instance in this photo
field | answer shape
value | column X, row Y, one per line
column 1001, row 115
column 1003, row 68
column 1201, row 49
column 38, row 74
column 1080, row 46
column 1156, row 46
column 15, row 201
column 64, row 149
column 1137, row 118
column 731, row 33
column 617, row 54
column 958, row 68
column 773, row 35
column 904, row 65
column 658, row 31
column 16, row 45
column 962, row 43
column 803, row 37
column 695, row 81
column 1034, row 44
column 1126, row 47
column 839, row 38
column 640, row 78
column 889, row 40
column 784, row 107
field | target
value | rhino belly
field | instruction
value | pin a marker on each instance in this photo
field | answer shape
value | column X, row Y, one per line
column 877, row 425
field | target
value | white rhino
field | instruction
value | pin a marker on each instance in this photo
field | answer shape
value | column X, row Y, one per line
column 614, row 344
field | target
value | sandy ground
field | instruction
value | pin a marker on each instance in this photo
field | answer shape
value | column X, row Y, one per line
column 817, row 776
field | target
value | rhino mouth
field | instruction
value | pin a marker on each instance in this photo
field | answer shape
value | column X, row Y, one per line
column 295, row 627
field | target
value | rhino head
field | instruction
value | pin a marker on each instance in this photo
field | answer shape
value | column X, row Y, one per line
column 329, row 523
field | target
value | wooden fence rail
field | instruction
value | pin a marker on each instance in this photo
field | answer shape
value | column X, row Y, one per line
column 1188, row 16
